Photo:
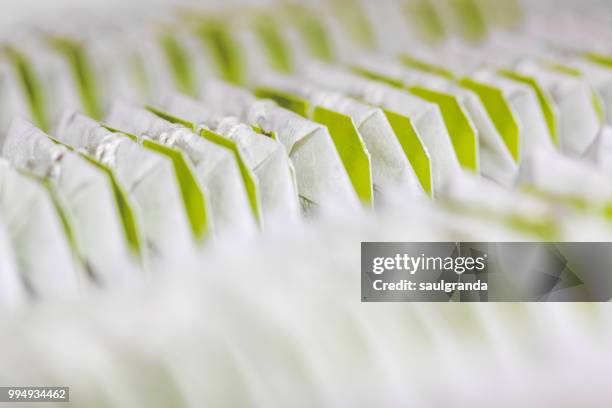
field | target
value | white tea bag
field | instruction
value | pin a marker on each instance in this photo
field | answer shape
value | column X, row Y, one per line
column 321, row 178
column 578, row 119
column 390, row 167
column 87, row 194
column 42, row 248
column 599, row 76
column 265, row 156
column 215, row 166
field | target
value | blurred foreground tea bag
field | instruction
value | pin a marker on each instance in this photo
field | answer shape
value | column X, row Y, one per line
column 265, row 156
column 215, row 166
column 88, row 197
column 322, row 181
column 390, row 167
column 42, row 248
column 567, row 180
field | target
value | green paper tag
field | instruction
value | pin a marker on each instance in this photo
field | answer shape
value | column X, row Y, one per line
column 83, row 74
column 279, row 55
column 469, row 19
column 218, row 38
column 284, row 99
column 351, row 16
column 600, row 59
column 424, row 66
column 413, row 148
column 423, row 15
column 179, row 63
column 271, row 134
column 545, row 103
column 351, row 149
column 312, row 31
column 462, row 133
column 31, row 86
column 499, row 110
column 506, row 14
column 377, row 77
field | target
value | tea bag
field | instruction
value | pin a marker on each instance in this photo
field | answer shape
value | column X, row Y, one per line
column 265, row 156
column 578, row 118
column 88, row 197
column 390, row 167
column 131, row 162
column 322, row 181
column 215, row 166
column 42, row 248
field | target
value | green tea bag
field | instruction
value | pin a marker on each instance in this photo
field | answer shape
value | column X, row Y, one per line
column 215, row 166
column 127, row 158
column 42, row 249
column 12, row 292
column 391, row 170
column 88, row 197
column 265, row 156
column 323, row 183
